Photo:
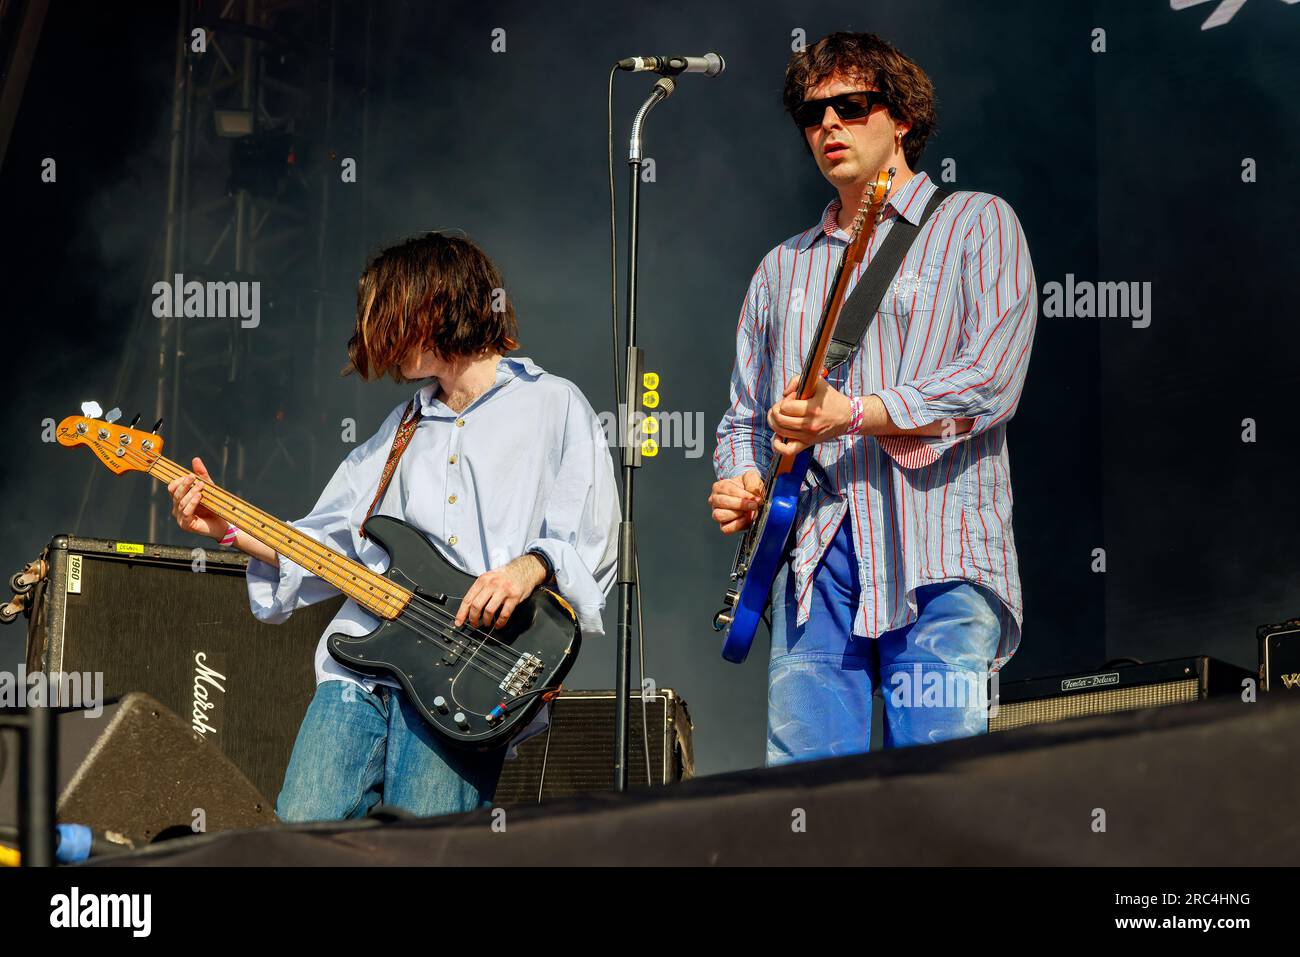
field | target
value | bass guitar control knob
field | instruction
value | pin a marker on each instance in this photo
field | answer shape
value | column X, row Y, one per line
column 441, row 704
column 462, row 722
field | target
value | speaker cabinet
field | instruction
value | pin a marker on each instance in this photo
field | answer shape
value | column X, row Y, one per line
column 174, row 623
column 575, row 754
column 135, row 771
column 1279, row 655
column 1122, row 688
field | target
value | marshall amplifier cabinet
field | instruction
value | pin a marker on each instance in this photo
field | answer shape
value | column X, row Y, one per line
column 1279, row 656
column 174, row 623
column 1125, row 687
column 575, row 754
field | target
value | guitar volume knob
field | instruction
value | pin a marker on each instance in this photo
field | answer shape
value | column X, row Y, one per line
column 462, row 722
column 441, row 704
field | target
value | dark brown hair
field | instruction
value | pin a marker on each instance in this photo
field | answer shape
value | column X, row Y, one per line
column 435, row 292
column 865, row 58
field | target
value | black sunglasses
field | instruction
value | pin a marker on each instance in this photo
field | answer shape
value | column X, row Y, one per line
column 847, row 106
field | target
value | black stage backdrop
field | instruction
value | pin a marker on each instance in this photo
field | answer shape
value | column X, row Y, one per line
column 1154, row 451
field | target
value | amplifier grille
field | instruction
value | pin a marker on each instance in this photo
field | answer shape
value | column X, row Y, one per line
column 576, row 754
column 1043, row 710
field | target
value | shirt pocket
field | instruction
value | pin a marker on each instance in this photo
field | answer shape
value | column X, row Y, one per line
column 912, row 291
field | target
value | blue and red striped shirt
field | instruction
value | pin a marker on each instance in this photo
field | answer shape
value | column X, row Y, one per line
column 951, row 340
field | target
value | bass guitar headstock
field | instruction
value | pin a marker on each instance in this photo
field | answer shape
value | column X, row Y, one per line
column 121, row 448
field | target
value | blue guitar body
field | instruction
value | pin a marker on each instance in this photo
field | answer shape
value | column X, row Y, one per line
column 773, row 523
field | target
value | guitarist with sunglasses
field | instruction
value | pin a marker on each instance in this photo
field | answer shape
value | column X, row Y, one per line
column 503, row 466
column 901, row 570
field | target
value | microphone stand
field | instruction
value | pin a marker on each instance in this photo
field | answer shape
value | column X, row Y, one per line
column 627, row 571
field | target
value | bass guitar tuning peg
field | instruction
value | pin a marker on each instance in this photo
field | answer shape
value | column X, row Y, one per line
column 156, row 426
column 113, row 415
column 135, row 420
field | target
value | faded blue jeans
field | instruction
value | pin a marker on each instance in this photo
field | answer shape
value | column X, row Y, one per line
column 932, row 674
column 357, row 748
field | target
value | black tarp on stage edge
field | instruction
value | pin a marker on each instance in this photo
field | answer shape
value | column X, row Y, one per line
column 1212, row 783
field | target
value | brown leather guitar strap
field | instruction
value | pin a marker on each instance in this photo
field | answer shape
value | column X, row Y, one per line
column 401, row 439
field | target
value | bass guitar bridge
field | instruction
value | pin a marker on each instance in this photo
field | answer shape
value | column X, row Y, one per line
column 522, row 675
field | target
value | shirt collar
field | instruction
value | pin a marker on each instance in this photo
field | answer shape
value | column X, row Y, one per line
column 508, row 367
column 908, row 201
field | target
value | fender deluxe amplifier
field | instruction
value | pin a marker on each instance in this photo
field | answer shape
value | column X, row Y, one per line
column 1125, row 687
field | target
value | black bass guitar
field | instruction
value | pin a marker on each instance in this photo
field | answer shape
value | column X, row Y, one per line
column 476, row 687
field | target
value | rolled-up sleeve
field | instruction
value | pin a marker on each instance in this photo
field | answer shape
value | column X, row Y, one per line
column 579, row 531
column 744, row 438
column 984, row 380
column 275, row 592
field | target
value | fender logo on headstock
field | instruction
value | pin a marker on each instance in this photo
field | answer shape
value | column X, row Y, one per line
column 120, row 448
column 104, row 455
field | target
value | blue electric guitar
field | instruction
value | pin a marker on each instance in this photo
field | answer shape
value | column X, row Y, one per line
column 762, row 547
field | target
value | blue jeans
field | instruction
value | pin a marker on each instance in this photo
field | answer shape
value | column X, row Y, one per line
column 357, row 748
column 821, row 677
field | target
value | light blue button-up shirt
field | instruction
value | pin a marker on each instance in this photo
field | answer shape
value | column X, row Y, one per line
column 524, row 467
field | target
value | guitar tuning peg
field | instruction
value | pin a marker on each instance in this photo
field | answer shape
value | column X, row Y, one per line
column 91, row 410
column 113, row 415
column 156, row 426
column 134, row 421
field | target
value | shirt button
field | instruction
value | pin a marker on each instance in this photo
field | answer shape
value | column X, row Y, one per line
column 452, row 540
column 452, row 499
column 460, row 423
column 452, row 460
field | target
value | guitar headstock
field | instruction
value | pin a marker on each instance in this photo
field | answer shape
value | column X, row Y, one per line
column 121, row 448
column 873, row 202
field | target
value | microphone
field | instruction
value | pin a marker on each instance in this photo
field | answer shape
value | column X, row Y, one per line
column 710, row 64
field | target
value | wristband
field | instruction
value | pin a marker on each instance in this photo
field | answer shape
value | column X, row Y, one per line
column 229, row 538
column 855, row 414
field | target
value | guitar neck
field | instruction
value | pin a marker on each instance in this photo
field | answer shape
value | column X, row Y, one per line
column 813, row 362
column 864, row 227
column 377, row 594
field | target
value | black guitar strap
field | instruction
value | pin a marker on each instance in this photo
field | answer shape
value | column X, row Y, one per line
column 864, row 301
